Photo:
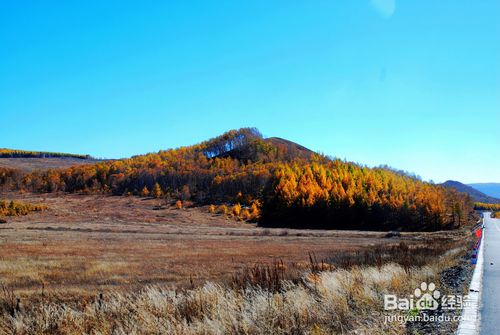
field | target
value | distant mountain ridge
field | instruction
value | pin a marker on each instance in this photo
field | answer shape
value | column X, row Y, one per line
column 490, row 189
column 475, row 194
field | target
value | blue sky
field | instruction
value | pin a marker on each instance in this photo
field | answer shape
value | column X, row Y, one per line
column 411, row 84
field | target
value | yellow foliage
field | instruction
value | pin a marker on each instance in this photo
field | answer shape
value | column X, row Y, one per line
column 255, row 210
column 245, row 215
column 157, row 192
column 145, row 192
column 16, row 208
column 484, row 206
column 236, row 210
column 223, row 209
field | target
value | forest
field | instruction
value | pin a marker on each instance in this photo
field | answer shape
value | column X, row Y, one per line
column 293, row 186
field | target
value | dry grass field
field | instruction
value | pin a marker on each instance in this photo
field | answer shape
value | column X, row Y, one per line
column 31, row 164
column 89, row 243
column 148, row 257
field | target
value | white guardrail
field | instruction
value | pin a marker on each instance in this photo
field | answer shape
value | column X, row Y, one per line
column 470, row 321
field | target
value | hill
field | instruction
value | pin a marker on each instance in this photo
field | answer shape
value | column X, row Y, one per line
column 29, row 161
column 248, row 145
column 476, row 195
column 277, row 182
column 490, row 189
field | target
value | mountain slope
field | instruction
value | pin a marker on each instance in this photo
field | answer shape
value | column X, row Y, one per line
column 294, row 149
column 490, row 189
column 476, row 195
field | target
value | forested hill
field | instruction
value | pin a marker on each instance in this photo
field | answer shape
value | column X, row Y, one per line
column 287, row 185
column 12, row 153
column 475, row 194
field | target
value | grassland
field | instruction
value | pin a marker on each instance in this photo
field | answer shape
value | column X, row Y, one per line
column 96, row 242
column 127, row 265
column 28, row 164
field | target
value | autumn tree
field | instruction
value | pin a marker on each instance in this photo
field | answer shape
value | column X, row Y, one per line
column 245, row 215
column 157, row 192
column 223, row 209
column 236, row 210
column 145, row 192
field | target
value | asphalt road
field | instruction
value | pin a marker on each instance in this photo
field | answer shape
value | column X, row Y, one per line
column 490, row 309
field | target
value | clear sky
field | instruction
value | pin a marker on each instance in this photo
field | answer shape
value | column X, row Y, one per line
column 412, row 84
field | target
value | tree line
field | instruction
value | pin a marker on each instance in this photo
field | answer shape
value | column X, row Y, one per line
column 481, row 206
column 294, row 188
column 10, row 153
column 494, row 208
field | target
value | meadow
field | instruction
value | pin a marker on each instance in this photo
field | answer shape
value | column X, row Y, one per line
column 99, row 264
